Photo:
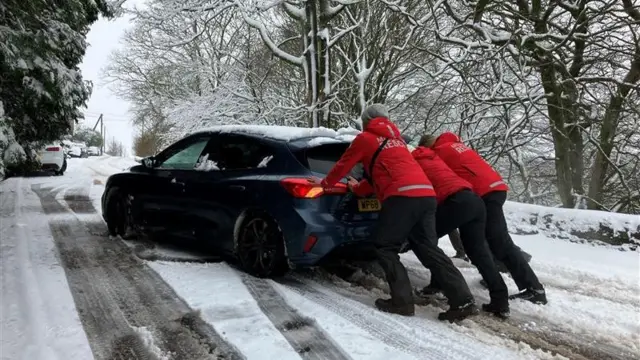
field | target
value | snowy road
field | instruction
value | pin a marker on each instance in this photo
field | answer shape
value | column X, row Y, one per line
column 71, row 292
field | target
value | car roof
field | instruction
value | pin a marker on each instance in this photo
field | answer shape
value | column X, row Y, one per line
column 295, row 136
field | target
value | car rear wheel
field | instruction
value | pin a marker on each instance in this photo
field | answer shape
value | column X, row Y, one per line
column 261, row 247
column 63, row 168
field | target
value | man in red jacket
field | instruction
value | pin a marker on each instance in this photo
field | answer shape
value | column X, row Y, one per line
column 408, row 208
column 460, row 208
column 490, row 186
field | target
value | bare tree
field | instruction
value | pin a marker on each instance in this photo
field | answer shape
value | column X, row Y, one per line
column 546, row 91
column 577, row 65
column 115, row 148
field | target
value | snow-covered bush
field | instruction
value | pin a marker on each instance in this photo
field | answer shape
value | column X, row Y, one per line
column 586, row 226
column 11, row 153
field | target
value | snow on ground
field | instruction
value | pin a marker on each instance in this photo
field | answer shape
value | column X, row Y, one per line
column 594, row 292
column 39, row 319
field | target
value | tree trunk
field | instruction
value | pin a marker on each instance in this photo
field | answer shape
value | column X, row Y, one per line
column 311, row 56
column 608, row 132
column 561, row 142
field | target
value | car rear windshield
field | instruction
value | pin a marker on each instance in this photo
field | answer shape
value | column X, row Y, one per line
column 322, row 158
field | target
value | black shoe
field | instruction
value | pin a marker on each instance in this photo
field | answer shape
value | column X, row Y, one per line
column 497, row 309
column 424, row 299
column 459, row 313
column 536, row 296
column 428, row 290
column 387, row 306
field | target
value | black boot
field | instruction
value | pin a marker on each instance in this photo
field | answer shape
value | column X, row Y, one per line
column 499, row 309
column 387, row 305
column 459, row 312
column 429, row 290
column 536, row 296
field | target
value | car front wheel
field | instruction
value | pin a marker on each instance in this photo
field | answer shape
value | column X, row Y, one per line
column 118, row 213
column 261, row 247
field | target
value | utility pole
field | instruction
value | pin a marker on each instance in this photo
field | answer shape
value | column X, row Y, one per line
column 99, row 121
column 102, row 132
column 104, row 138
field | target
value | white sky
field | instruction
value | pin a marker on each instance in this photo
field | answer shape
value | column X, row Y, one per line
column 103, row 38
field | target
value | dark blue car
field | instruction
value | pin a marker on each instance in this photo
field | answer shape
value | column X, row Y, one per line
column 244, row 191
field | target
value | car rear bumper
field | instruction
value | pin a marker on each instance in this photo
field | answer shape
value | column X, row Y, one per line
column 50, row 167
column 330, row 236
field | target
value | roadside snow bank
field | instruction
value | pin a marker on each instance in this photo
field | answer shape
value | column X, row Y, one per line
column 596, row 227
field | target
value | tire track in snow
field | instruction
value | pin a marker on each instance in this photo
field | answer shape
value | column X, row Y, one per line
column 544, row 330
column 544, row 338
column 619, row 293
column 79, row 201
column 304, row 335
column 114, row 291
column 389, row 333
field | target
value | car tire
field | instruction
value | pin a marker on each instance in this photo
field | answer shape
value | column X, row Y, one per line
column 63, row 169
column 260, row 247
column 117, row 211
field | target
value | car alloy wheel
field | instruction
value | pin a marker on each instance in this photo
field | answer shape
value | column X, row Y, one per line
column 261, row 248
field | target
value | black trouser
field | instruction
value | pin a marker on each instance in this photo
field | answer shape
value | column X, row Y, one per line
column 456, row 242
column 502, row 245
column 413, row 218
column 465, row 210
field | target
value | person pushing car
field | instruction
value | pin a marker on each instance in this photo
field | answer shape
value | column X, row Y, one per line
column 408, row 208
column 459, row 208
column 490, row 186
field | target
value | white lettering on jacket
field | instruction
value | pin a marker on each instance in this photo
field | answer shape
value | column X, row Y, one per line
column 392, row 143
column 459, row 147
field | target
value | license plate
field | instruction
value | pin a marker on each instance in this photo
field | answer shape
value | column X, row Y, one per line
column 368, row 205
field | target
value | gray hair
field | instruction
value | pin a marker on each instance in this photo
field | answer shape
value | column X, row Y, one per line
column 373, row 111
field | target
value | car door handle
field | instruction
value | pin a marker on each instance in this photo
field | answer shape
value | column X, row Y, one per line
column 176, row 182
column 236, row 187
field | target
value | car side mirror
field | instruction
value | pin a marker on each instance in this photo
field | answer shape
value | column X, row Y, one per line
column 149, row 162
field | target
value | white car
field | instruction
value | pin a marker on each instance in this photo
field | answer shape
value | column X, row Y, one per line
column 93, row 151
column 75, row 151
column 52, row 158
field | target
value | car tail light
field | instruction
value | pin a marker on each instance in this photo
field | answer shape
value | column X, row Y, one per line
column 301, row 188
column 310, row 243
column 53, row 148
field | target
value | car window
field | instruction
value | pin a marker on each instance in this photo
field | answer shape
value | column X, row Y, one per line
column 233, row 152
column 185, row 158
column 323, row 158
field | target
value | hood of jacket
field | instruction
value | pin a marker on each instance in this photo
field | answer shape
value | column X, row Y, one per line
column 447, row 137
column 422, row 152
column 383, row 127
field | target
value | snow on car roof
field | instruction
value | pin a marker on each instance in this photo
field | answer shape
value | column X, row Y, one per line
column 288, row 133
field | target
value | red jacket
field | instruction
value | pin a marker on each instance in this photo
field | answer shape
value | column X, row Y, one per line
column 468, row 164
column 395, row 172
column 444, row 180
